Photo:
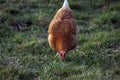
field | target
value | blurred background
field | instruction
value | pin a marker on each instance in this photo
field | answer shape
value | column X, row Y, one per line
column 26, row 55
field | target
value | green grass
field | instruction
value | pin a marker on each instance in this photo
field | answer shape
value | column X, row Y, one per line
column 26, row 55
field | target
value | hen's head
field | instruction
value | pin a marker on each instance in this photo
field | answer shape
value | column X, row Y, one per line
column 62, row 55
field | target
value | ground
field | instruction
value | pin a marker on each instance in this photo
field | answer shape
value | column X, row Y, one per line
column 26, row 55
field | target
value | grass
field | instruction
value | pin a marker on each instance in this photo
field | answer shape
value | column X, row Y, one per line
column 26, row 55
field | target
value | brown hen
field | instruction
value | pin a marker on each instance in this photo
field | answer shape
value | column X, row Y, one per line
column 63, row 31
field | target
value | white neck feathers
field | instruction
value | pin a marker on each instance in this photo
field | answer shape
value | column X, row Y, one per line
column 65, row 4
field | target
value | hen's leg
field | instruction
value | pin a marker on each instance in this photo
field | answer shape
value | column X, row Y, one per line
column 57, row 54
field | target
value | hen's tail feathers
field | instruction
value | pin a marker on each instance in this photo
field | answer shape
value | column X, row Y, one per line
column 66, row 4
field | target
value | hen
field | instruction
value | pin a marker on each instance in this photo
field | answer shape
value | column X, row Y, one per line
column 63, row 31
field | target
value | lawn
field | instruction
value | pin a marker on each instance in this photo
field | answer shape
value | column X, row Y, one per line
column 26, row 55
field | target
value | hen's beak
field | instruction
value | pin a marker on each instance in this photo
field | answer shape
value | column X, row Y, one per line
column 63, row 56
